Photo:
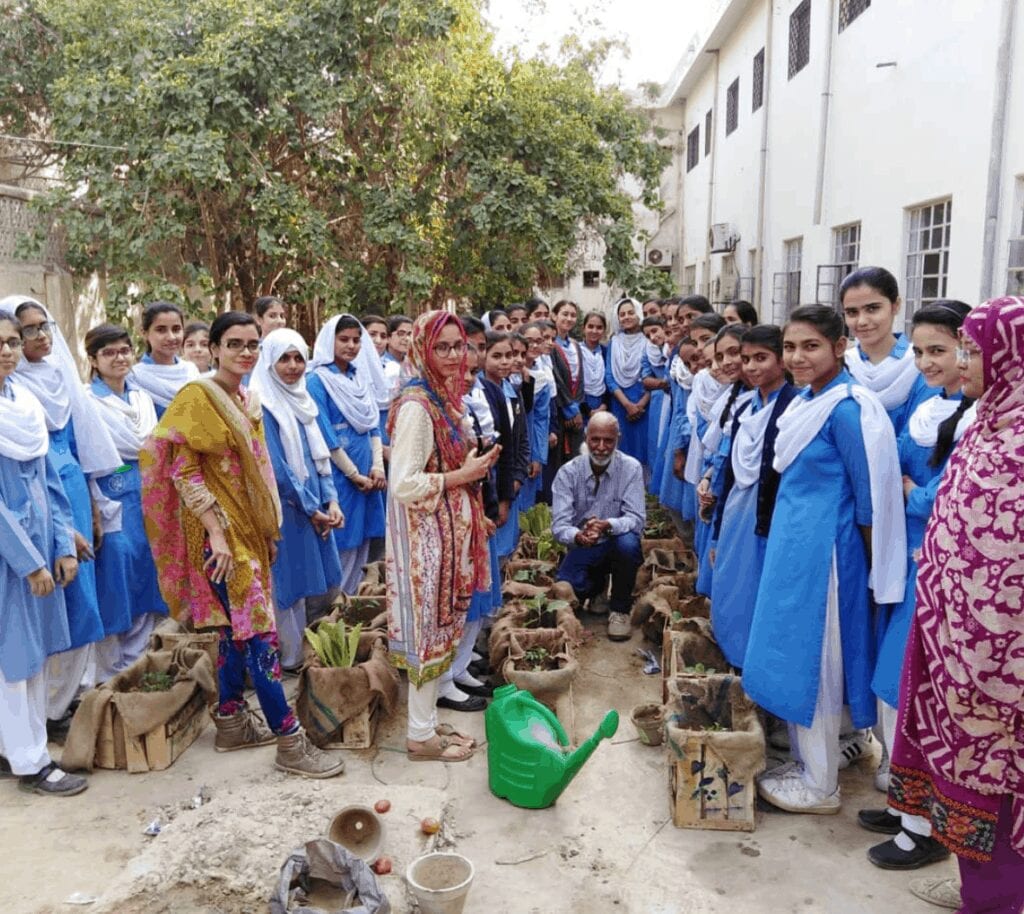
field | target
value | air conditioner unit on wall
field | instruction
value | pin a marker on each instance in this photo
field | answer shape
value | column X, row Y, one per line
column 723, row 237
column 659, row 257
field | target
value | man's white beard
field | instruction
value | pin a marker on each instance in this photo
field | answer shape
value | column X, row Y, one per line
column 601, row 461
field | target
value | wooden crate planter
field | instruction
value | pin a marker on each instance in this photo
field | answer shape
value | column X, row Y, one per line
column 200, row 641
column 153, row 751
column 711, row 771
column 685, row 643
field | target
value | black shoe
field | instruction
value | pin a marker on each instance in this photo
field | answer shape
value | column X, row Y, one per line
column 472, row 703
column 67, row 785
column 481, row 691
column 479, row 668
column 57, row 730
column 5, row 768
column 890, row 857
column 879, row 820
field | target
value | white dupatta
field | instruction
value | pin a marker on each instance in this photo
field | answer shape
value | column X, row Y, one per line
column 356, row 396
column 891, row 380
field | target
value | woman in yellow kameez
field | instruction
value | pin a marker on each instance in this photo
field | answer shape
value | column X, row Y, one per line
column 212, row 516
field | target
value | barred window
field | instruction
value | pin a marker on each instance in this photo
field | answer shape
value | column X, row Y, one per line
column 693, row 148
column 732, row 106
column 707, row 133
column 846, row 246
column 757, row 83
column 850, row 10
column 799, row 38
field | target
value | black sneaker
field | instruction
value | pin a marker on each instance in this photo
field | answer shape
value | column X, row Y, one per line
column 889, row 856
column 67, row 785
column 484, row 690
column 879, row 820
column 469, row 703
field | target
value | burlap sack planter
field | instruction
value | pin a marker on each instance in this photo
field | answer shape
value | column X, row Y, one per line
column 518, row 616
column 715, row 748
column 340, row 708
column 692, row 644
column 170, row 634
column 549, row 685
column 530, row 571
column 115, row 722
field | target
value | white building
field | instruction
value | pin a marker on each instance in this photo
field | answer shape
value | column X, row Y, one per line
column 813, row 136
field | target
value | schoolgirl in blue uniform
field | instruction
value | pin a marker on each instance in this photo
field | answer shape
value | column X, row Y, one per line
column 79, row 446
column 925, row 446
column 343, row 381
column 125, row 572
column 307, row 562
column 811, row 644
column 654, row 372
column 747, row 499
column 673, row 492
column 624, row 380
column 539, row 418
column 595, row 362
column 161, row 371
column 882, row 360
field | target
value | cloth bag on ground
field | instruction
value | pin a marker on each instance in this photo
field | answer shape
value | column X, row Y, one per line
column 340, row 869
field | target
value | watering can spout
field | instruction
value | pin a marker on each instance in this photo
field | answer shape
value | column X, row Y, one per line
column 577, row 759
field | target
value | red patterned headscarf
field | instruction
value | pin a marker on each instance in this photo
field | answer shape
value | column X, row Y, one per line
column 440, row 394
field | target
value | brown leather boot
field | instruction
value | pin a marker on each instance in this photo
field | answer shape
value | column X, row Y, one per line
column 297, row 755
column 242, row 730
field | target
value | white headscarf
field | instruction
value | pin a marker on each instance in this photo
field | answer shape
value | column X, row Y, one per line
column 798, row 426
column 128, row 424
column 926, row 419
column 706, row 390
column 290, row 404
column 593, row 371
column 748, row 444
column 716, row 430
column 162, row 382
column 355, row 397
column 680, row 373
column 57, row 386
column 655, row 354
column 891, row 380
column 626, row 350
column 23, row 434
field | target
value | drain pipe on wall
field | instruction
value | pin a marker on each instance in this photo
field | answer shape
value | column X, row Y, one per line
column 826, row 97
column 1000, row 102
column 766, row 100
column 711, row 179
column 680, row 266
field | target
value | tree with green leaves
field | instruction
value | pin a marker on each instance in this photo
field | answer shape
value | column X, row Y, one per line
column 342, row 154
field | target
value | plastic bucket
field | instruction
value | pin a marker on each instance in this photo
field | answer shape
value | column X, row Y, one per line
column 649, row 721
column 358, row 829
column 440, row 882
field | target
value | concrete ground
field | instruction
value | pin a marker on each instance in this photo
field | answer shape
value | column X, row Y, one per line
column 608, row 845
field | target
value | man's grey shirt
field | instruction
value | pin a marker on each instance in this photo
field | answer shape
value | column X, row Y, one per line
column 617, row 495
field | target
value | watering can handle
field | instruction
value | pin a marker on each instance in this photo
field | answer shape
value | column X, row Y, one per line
column 547, row 714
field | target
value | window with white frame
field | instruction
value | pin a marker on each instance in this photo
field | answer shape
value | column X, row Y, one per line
column 786, row 285
column 846, row 247
column 927, row 254
column 690, row 279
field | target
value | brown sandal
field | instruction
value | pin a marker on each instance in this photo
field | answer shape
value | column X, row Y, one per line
column 436, row 753
column 449, row 731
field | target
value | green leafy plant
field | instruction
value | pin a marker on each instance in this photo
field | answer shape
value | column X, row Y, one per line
column 536, row 523
column 538, row 659
column 335, row 644
column 699, row 669
column 156, row 681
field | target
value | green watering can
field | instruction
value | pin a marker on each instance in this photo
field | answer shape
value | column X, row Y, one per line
column 529, row 759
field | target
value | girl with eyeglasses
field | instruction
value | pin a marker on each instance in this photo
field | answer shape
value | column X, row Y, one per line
column 162, row 371
column 344, row 378
column 37, row 563
column 80, row 446
column 125, row 571
column 958, row 754
column 213, row 517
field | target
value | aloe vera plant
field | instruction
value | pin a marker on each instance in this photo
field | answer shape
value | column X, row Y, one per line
column 335, row 644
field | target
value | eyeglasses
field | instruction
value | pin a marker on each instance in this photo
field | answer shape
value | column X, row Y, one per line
column 14, row 344
column 964, row 356
column 34, row 331
column 404, row 334
column 534, row 344
column 239, row 345
column 122, row 352
column 443, row 350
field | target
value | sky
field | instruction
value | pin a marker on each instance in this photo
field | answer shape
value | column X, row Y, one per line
column 655, row 31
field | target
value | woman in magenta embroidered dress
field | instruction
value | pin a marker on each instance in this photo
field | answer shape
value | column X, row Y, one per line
column 436, row 543
column 212, row 516
column 959, row 752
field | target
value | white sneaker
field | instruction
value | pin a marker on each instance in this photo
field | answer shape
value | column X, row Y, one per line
column 619, row 628
column 793, row 795
column 854, row 747
column 944, row 891
column 882, row 776
column 790, row 769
